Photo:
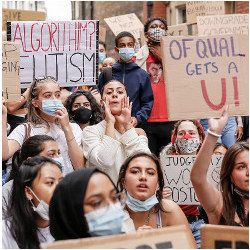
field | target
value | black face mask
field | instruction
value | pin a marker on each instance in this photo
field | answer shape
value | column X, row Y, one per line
column 82, row 115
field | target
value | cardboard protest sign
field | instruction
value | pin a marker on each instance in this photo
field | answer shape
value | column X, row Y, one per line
column 203, row 8
column 219, row 237
column 202, row 74
column 11, row 71
column 102, row 34
column 178, row 30
column 21, row 15
column 170, row 237
column 66, row 50
column 128, row 22
column 176, row 170
column 223, row 24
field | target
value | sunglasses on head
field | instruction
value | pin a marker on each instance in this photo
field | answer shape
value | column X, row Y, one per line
column 41, row 78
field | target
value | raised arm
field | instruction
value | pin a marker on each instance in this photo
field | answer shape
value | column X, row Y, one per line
column 9, row 147
column 209, row 197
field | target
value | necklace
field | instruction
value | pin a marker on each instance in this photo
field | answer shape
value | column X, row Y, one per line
column 149, row 215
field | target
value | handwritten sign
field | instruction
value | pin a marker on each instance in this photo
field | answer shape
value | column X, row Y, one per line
column 219, row 237
column 177, row 168
column 170, row 237
column 21, row 15
column 66, row 50
column 11, row 71
column 178, row 30
column 203, row 8
column 129, row 22
column 204, row 73
column 223, row 24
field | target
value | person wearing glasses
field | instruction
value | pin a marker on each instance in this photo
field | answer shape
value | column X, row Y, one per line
column 46, row 115
column 86, row 203
column 142, row 180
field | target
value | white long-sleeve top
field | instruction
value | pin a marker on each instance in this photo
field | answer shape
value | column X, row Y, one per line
column 108, row 154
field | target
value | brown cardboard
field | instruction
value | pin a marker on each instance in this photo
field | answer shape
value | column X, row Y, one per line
column 218, row 237
column 168, row 237
column 199, row 84
column 11, row 71
column 102, row 34
column 178, row 30
column 128, row 22
column 21, row 15
column 203, row 8
column 223, row 24
column 176, row 172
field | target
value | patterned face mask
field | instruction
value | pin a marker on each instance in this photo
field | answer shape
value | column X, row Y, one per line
column 155, row 34
column 187, row 144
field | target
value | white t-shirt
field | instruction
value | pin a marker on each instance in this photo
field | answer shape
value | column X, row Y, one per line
column 8, row 241
column 18, row 134
column 108, row 154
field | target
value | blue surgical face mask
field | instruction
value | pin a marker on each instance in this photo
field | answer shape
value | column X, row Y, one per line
column 139, row 206
column 105, row 221
column 102, row 57
column 126, row 53
column 49, row 106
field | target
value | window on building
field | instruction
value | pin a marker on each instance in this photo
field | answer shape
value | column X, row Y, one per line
column 181, row 15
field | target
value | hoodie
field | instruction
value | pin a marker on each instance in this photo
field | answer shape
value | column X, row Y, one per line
column 138, row 85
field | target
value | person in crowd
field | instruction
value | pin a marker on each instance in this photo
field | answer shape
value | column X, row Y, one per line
column 141, row 178
column 102, row 54
column 107, row 144
column 46, row 115
column 187, row 138
column 86, row 203
column 41, row 145
column 158, row 128
column 134, row 78
column 27, row 222
column 83, row 108
column 108, row 62
column 220, row 149
column 230, row 206
column 232, row 132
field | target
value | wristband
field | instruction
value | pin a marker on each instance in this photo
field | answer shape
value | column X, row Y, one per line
column 212, row 133
column 71, row 139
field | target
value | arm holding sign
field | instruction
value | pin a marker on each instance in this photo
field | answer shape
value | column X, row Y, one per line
column 209, row 197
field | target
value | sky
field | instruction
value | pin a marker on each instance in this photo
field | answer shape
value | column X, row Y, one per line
column 58, row 10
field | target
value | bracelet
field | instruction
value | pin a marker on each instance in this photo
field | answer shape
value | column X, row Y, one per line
column 71, row 139
column 212, row 133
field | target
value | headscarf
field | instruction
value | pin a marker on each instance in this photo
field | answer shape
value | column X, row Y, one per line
column 66, row 213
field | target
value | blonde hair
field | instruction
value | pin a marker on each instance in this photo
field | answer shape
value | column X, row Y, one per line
column 35, row 88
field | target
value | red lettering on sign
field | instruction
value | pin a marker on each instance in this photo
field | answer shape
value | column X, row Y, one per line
column 236, row 94
column 32, row 38
column 223, row 95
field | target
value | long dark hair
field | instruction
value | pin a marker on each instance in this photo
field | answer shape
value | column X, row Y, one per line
column 232, row 202
column 97, row 114
column 124, row 168
column 31, row 147
column 22, row 218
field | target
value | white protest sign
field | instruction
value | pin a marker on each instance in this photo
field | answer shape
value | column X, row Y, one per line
column 66, row 50
column 203, row 8
column 178, row 30
column 223, row 24
column 204, row 73
column 128, row 22
column 11, row 71
column 176, row 170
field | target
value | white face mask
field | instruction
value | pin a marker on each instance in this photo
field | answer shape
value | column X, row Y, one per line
column 59, row 160
column 188, row 145
column 42, row 209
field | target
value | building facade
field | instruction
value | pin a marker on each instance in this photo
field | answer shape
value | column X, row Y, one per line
column 24, row 5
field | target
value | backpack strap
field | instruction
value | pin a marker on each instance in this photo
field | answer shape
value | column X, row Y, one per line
column 27, row 131
column 107, row 74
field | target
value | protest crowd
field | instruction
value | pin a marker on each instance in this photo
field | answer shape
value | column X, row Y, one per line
column 90, row 161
